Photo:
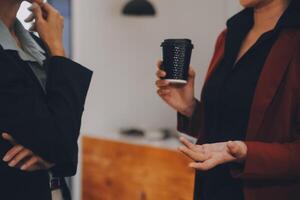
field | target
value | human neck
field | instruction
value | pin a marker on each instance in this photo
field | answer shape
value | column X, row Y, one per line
column 8, row 12
column 267, row 15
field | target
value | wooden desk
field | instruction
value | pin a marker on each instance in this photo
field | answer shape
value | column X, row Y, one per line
column 121, row 171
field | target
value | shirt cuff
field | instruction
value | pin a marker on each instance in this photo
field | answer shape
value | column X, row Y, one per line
column 190, row 125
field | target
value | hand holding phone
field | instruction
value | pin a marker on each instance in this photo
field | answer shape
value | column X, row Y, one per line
column 49, row 24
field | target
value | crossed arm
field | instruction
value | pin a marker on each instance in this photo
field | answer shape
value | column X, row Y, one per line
column 47, row 125
column 22, row 158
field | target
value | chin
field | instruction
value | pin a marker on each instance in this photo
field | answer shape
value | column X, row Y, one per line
column 253, row 3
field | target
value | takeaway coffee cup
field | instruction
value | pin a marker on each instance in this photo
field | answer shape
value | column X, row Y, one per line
column 176, row 59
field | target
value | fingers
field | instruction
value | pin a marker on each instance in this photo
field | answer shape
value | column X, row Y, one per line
column 233, row 148
column 161, row 74
column 163, row 91
column 188, row 152
column 12, row 153
column 52, row 15
column 237, row 149
column 193, row 151
column 20, row 156
column 50, row 10
column 194, row 155
column 37, row 12
column 25, row 153
column 192, row 75
column 31, row 164
column 204, row 166
column 187, row 143
column 192, row 72
column 162, row 83
column 9, row 138
column 30, row 18
column 39, row 2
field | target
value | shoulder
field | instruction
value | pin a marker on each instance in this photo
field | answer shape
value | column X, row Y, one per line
column 222, row 35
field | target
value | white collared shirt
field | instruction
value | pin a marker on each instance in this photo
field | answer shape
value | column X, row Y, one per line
column 31, row 52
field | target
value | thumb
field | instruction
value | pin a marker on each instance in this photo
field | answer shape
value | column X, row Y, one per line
column 192, row 72
column 192, row 75
column 235, row 149
column 9, row 138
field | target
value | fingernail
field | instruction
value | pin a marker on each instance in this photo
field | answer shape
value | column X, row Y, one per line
column 6, row 158
column 12, row 163
column 191, row 165
column 23, row 167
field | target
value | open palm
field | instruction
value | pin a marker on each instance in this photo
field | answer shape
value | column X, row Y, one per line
column 208, row 156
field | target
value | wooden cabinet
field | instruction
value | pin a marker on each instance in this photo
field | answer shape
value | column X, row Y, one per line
column 121, row 171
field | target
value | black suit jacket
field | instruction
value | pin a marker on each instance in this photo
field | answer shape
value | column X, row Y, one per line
column 46, row 123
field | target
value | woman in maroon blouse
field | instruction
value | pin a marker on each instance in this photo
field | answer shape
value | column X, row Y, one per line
column 248, row 118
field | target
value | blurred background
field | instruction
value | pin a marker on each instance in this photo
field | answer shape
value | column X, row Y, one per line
column 129, row 139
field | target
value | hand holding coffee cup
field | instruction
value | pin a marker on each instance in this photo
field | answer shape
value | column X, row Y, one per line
column 176, row 79
column 180, row 97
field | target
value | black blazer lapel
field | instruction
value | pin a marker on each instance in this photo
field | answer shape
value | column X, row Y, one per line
column 23, row 68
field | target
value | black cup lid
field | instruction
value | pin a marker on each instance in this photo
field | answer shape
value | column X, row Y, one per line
column 177, row 42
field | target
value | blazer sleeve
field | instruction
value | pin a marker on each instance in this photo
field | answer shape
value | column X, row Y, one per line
column 271, row 161
column 193, row 125
column 49, row 124
column 190, row 125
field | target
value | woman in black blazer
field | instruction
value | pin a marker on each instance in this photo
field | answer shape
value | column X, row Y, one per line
column 41, row 104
